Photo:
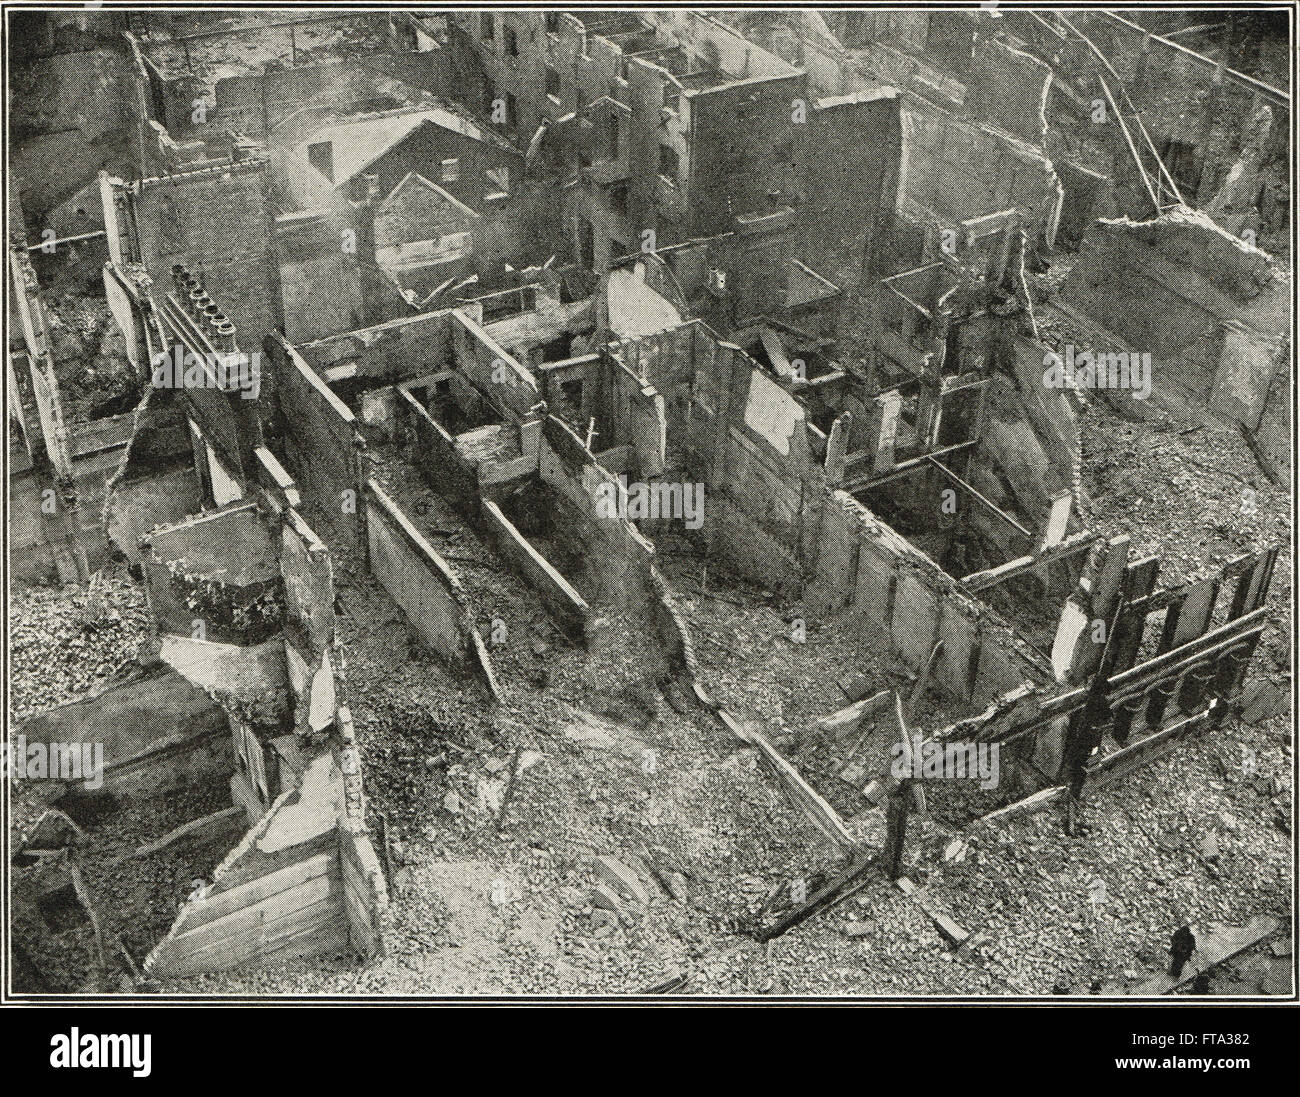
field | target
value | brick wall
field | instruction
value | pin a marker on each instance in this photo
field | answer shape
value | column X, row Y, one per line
column 217, row 222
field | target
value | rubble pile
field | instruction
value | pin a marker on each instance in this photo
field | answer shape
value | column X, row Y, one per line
column 67, row 642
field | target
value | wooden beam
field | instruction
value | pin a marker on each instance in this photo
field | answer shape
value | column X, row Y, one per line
column 981, row 580
column 970, row 490
column 848, row 718
column 910, row 465
column 1128, row 758
column 801, row 794
column 194, row 826
column 1139, row 677
column 852, row 880
column 943, row 922
column 1132, row 148
column 1030, row 804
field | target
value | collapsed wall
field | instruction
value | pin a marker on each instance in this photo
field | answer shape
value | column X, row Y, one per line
column 158, row 732
column 215, row 576
column 300, row 883
column 266, row 715
column 305, row 879
column 973, row 110
column 420, row 581
column 323, row 446
column 1213, row 311
column 774, row 517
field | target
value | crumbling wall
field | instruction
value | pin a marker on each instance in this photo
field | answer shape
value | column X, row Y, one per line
column 863, row 564
column 137, row 506
column 418, row 236
column 215, row 576
column 323, row 445
column 771, row 515
column 435, row 453
column 491, row 370
column 761, row 466
column 1212, row 310
column 397, row 350
column 1008, row 89
column 735, row 167
column 742, row 435
column 954, row 171
column 58, row 144
column 423, row 584
column 635, row 414
column 972, row 130
column 1184, row 100
column 308, row 578
column 848, row 198
column 616, row 558
column 525, row 333
column 157, row 730
column 553, row 588
column 97, row 450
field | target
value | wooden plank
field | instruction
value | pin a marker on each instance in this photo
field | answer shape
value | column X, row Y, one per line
column 1212, row 949
column 357, row 879
column 853, row 879
column 1128, row 138
column 775, row 352
column 851, row 716
column 1058, row 520
column 1257, row 584
column 329, row 935
column 912, row 463
column 1139, row 582
column 979, row 580
column 988, row 503
column 1138, row 677
column 194, row 826
column 225, row 931
column 1138, row 754
column 943, row 921
column 263, row 944
column 1195, row 657
column 801, row 794
column 221, row 903
column 1242, row 596
column 890, row 406
column 1030, row 804
column 1185, row 620
column 362, row 908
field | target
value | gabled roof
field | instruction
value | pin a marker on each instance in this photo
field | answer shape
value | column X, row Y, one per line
column 359, row 142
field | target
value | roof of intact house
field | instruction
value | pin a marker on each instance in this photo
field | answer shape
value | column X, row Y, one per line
column 360, row 141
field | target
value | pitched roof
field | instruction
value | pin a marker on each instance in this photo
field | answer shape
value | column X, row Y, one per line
column 359, row 142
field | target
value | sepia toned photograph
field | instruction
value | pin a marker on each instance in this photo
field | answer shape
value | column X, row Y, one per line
column 678, row 505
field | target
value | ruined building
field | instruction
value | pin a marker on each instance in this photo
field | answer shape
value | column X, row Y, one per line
column 583, row 468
